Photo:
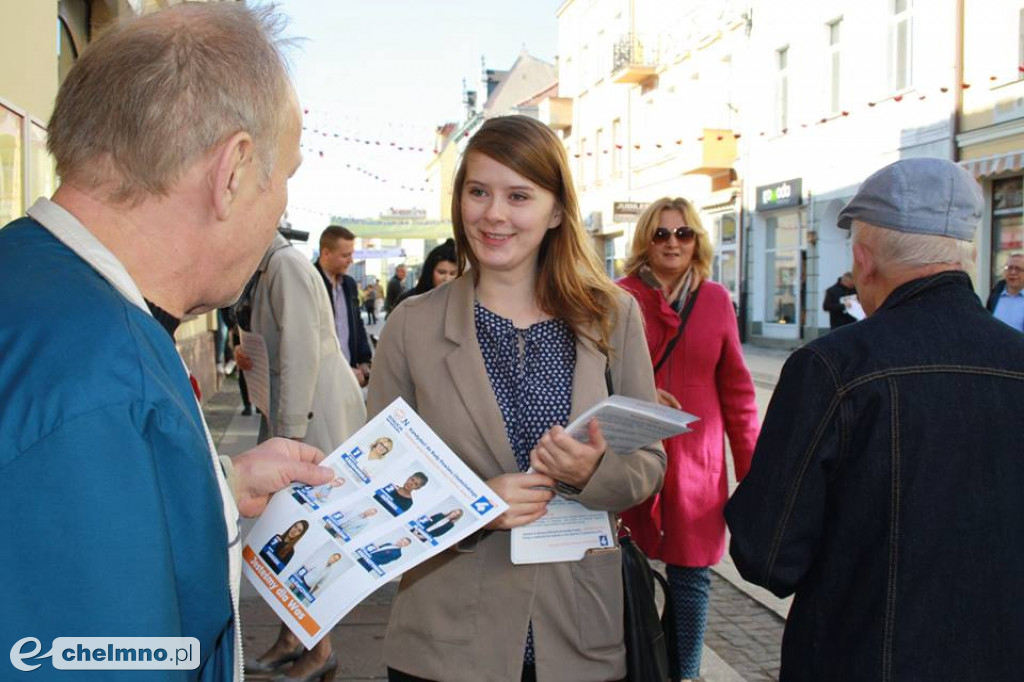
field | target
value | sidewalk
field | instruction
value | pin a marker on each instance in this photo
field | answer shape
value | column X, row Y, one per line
column 745, row 621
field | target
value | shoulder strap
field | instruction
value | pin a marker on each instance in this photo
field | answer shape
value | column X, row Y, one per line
column 684, row 315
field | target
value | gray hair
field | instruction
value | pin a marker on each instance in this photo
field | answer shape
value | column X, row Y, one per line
column 902, row 250
column 153, row 94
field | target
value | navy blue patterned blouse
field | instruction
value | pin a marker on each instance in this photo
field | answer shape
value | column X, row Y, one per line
column 531, row 373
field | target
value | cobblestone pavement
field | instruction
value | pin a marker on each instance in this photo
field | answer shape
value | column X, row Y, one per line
column 743, row 632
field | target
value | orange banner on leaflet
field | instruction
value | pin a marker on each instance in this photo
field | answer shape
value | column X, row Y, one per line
column 280, row 590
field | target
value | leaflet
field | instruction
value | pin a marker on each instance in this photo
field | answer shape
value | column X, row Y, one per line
column 399, row 497
column 629, row 424
column 569, row 529
column 258, row 377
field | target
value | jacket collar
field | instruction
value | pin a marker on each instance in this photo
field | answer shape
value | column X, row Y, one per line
column 924, row 286
column 469, row 374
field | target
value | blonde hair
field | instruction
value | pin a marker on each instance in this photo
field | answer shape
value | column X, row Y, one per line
column 153, row 94
column 571, row 283
column 703, row 250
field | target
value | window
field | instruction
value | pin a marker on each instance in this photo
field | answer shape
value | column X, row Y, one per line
column 12, row 185
column 616, row 148
column 726, row 266
column 783, row 269
column 834, row 65
column 1007, row 221
column 782, row 89
column 1020, row 45
column 597, row 155
column 584, row 174
column 42, row 177
column 901, row 45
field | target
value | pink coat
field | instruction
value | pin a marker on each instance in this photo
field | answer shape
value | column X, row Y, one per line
column 683, row 525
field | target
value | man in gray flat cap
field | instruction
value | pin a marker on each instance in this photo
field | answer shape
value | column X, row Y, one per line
column 885, row 491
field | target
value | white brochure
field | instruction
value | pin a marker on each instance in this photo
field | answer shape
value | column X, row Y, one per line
column 399, row 497
column 569, row 530
column 258, row 378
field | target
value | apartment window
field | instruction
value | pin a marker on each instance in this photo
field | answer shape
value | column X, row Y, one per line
column 726, row 265
column 584, row 169
column 834, row 65
column 598, row 139
column 616, row 150
column 1020, row 45
column 782, row 89
column 901, row 44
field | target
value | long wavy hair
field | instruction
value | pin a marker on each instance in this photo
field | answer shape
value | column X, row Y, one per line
column 703, row 250
column 571, row 283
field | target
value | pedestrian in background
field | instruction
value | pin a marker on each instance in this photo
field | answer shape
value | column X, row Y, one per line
column 885, row 490
column 396, row 285
column 834, row 305
column 370, row 302
column 691, row 331
column 337, row 246
column 314, row 395
column 1006, row 301
column 525, row 335
column 439, row 267
column 174, row 135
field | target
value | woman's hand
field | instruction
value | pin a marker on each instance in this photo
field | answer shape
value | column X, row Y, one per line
column 527, row 496
column 566, row 459
column 666, row 398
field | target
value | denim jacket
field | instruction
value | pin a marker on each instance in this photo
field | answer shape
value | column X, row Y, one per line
column 887, row 493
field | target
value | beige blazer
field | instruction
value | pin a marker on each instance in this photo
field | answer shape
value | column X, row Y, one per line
column 464, row 615
column 313, row 393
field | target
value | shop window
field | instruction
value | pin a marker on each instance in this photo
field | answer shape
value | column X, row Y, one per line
column 12, row 185
column 783, row 269
column 726, row 265
column 1007, row 221
column 42, row 177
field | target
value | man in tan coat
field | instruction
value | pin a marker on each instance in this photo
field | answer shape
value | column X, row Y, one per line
column 314, row 395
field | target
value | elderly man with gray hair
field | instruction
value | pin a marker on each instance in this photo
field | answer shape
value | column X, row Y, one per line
column 886, row 485
column 174, row 136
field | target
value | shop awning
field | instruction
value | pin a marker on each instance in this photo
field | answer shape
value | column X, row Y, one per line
column 403, row 230
column 993, row 165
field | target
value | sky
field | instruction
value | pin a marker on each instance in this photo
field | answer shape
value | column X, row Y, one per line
column 391, row 72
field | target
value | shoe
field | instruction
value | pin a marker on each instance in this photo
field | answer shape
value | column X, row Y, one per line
column 253, row 665
column 220, row 368
column 247, row 411
column 229, row 367
column 325, row 673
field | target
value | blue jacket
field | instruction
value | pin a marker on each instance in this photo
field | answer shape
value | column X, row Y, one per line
column 109, row 501
column 886, row 493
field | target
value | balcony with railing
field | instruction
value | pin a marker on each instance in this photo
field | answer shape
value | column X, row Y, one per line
column 635, row 58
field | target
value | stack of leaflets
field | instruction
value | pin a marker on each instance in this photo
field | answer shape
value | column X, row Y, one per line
column 569, row 530
column 399, row 496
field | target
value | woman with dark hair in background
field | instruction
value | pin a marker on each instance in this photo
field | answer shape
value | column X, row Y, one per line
column 497, row 362
column 694, row 342
column 440, row 266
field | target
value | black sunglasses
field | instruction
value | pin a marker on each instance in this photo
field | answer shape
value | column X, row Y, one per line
column 683, row 234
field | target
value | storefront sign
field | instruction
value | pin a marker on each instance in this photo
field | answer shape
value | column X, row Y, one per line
column 779, row 195
column 627, row 211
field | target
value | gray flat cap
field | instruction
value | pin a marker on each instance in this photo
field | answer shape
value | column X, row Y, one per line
column 924, row 196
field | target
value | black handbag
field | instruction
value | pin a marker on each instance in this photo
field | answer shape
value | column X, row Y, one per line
column 651, row 642
column 647, row 641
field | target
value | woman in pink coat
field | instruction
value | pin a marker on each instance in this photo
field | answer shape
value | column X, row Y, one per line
column 703, row 373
